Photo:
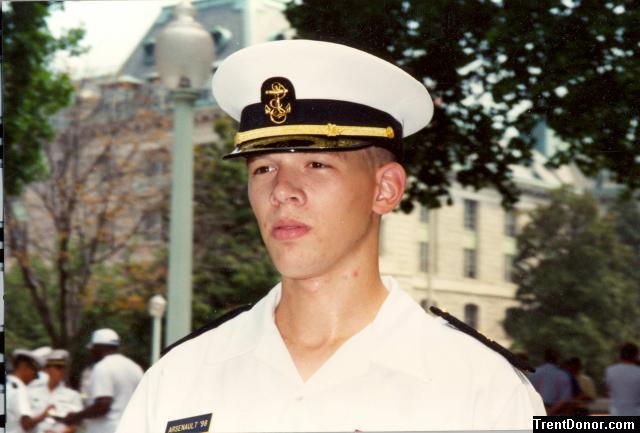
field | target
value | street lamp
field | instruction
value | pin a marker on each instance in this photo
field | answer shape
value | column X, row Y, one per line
column 157, row 305
column 184, row 52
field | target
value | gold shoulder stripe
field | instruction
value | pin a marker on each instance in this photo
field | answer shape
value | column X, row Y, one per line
column 329, row 130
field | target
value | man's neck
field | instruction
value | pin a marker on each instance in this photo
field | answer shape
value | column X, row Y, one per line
column 316, row 311
column 316, row 316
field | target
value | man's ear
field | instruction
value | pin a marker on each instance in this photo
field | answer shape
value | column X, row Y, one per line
column 390, row 181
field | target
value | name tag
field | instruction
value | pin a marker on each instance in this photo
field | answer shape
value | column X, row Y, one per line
column 194, row 424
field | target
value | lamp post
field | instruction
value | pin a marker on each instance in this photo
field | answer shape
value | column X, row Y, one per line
column 157, row 305
column 184, row 57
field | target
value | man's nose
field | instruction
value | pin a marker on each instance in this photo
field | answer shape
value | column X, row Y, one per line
column 287, row 189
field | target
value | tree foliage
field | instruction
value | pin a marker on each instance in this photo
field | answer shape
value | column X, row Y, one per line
column 231, row 265
column 570, row 64
column 32, row 91
column 577, row 284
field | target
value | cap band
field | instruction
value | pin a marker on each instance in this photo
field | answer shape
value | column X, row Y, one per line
column 329, row 130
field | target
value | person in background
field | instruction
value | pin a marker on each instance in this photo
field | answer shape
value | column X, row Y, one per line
column 113, row 379
column 42, row 379
column 55, row 393
column 623, row 381
column 20, row 416
column 586, row 386
column 553, row 383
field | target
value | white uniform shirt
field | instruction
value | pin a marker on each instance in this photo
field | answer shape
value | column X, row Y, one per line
column 63, row 399
column 17, row 404
column 623, row 381
column 114, row 376
column 404, row 371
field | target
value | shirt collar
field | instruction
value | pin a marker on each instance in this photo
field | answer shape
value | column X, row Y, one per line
column 390, row 340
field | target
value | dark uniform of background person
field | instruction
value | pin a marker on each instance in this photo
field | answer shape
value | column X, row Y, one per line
column 334, row 346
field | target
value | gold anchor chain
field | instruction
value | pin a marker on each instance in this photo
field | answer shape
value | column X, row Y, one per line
column 277, row 113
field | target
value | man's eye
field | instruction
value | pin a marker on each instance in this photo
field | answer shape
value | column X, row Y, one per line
column 263, row 169
column 316, row 164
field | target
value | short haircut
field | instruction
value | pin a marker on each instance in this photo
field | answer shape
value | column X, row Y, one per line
column 378, row 156
column 629, row 352
column 551, row 355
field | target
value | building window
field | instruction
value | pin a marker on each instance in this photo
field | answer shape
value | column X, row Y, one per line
column 470, row 214
column 221, row 37
column 509, row 270
column 471, row 315
column 424, row 257
column 149, row 52
column 470, row 265
column 424, row 214
column 510, row 223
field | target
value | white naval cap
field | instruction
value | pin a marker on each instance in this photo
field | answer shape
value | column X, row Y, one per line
column 36, row 360
column 284, row 90
column 57, row 358
column 42, row 351
column 105, row 336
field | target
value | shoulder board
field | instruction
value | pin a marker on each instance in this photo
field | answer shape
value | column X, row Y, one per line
column 461, row 326
column 211, row 325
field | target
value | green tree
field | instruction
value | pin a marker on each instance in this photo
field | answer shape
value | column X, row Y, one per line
column 575, row 284
column 231, row 265
column 32, row 91
column 571, row 64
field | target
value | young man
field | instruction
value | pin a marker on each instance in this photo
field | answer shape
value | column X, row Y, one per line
column 21, row 417
column 54, row 393
column 335, row 346
column 623, row 382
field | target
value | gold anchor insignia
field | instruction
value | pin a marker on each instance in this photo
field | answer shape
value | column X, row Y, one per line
column 277, row 113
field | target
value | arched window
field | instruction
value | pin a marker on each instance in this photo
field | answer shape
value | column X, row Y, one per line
column 221, row 37
column 471, row 315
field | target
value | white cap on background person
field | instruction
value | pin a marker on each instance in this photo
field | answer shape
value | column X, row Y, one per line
column 105, row 336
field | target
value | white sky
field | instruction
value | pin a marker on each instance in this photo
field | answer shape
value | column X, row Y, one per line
column 113, row 28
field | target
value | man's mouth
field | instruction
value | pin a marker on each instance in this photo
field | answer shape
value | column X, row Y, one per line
column 287, row 229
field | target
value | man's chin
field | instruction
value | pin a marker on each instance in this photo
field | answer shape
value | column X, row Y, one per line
column 297, row 270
